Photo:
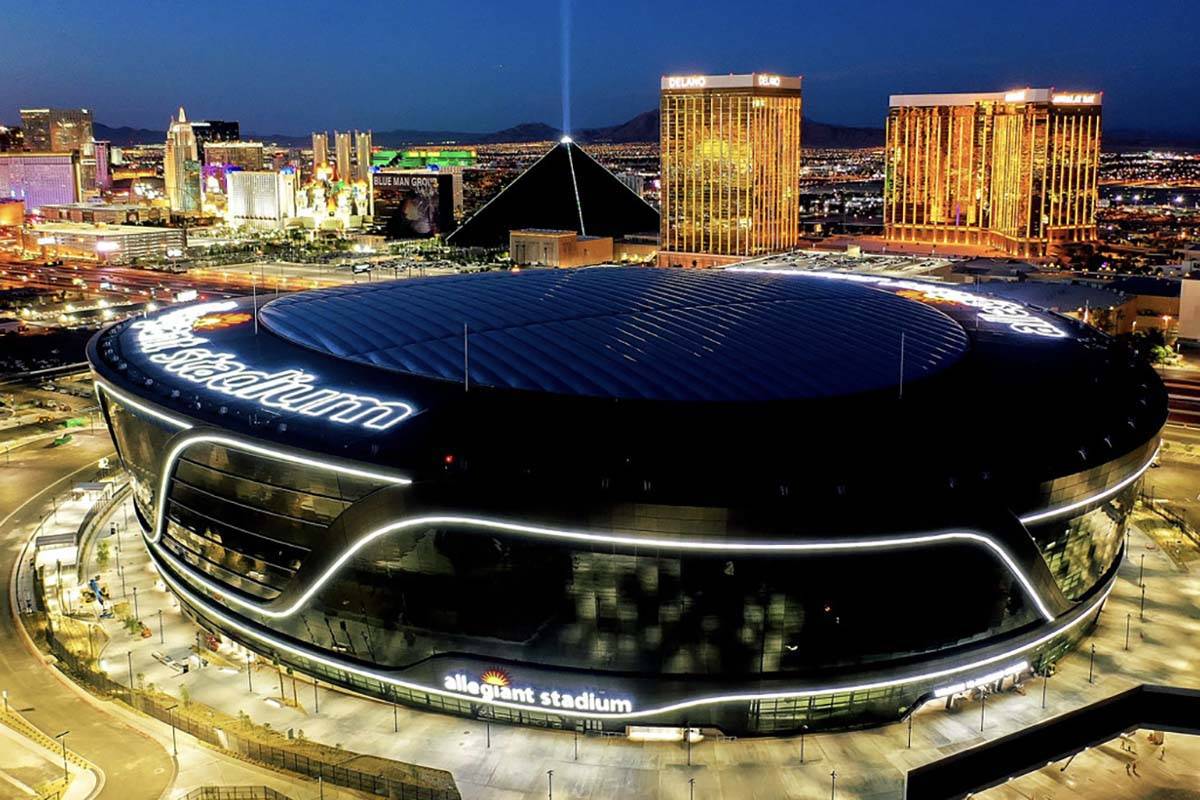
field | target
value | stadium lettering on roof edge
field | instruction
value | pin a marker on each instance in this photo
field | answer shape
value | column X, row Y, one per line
column 1017, row 317
column 171, row 342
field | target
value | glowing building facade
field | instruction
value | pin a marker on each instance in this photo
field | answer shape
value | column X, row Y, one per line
column 58, row 130
column 1015, row 171
column 730, row 167
column 181, row 166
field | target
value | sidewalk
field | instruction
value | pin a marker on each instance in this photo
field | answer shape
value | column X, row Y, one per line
column 1165, row 648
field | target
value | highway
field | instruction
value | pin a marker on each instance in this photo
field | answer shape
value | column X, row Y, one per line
column 135, row 767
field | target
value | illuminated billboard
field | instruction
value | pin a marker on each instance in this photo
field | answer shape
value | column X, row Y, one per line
column 413, row 205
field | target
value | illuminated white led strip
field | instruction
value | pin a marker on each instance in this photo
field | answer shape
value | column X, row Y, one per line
column 1058, row 511
column 607, row 539
column 332, row 663
column 179, row 447
column 236, row 444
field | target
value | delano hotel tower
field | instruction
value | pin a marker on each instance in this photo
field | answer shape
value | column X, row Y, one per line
column 730, row 167
column 1015, row 170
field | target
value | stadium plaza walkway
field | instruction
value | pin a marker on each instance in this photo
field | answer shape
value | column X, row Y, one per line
column 133, row 752
column 1165, row 648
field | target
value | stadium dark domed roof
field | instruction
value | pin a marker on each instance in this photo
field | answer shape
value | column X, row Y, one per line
column 631, row 333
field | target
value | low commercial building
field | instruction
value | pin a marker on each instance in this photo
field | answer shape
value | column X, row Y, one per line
column 111, row 244
column 548, row 248
column 106, row 214
column 1189, row 312
column 1155, row 303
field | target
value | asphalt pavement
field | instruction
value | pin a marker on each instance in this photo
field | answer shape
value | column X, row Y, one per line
column 135, row 766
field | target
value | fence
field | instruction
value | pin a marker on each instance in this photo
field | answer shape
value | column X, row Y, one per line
column 235, row 793
column 250, row 749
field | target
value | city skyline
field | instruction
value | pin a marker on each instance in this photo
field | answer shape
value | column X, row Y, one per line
column 479, row 68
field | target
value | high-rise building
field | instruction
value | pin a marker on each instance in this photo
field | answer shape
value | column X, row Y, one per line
column 11, row 138
column 181, row 166
column 242, row 155
column 1015, row 171
column 320, row 148
column 215, row 130
column 261, row 198
column 362, row 156
column 40, row 178
column 57, row 130
column 730, row 167
column 342, row 146
column 103, row 154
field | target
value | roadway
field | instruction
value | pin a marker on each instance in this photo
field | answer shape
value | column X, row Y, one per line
column 135, row 766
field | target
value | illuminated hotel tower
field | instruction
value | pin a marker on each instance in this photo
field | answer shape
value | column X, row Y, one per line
column 342, row 147
column 1015, row 171
column 362, row 156
column 730, row 167
column 320, row 150
column 181, row 166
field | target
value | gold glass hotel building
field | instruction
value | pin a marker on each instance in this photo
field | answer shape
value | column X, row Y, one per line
column 1015, row 171
column 730, row 167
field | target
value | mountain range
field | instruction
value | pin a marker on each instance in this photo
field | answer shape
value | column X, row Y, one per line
column 642, row 128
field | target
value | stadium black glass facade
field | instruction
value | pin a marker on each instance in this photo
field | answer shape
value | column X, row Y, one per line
column 607, row 497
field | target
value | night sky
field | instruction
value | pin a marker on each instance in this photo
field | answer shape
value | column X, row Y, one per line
column 481, row 65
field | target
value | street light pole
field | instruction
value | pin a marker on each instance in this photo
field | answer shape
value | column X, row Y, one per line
column 1045, row 680
column 249, row 674
column 982, row 710
column 803, row 728
column 129, row 656
column 833, row 785
column 316, row 698
column 1092, row 665
column 1128, row 620
column 910, row 724
column 549, row 784
column 62, row 739
column 171, row 722
column 161, row 637
column 691, row 789
column 1142, row 571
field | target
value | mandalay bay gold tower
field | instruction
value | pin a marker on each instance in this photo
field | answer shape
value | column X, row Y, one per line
column 730, row 167
column 1015, row 171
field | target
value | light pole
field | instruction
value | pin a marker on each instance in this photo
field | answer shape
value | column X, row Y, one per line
column 982, row 709
column 910, row 724
column 549, row 784
column 1142, row 571
column 487, row 727
column 161, row 638
column 833, row 785
column 129, row 657
column 171, row 722
column 691, row 789
column 1092, row 665
column 249, row 674
column 803, row 729
column 62, row 739
column 1045, row 680
column 316, row 698
column 136, row 614
column 1128, row 620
